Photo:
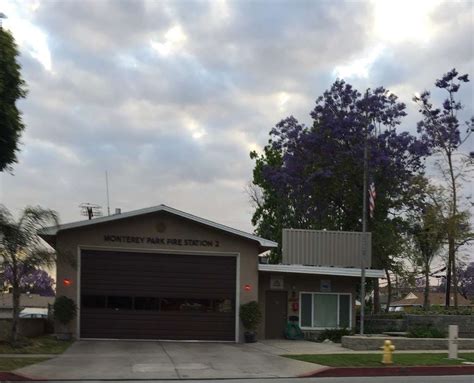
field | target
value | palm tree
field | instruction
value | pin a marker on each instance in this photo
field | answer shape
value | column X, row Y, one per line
column 21, row 249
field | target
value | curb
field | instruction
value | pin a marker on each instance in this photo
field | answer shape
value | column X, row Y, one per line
column 390, row 371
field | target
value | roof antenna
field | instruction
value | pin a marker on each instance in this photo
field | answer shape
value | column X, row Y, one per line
column 90, row 210
column 107, row 191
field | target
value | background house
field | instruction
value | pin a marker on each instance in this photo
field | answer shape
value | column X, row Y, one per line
column 29, row 303
column 415, row 300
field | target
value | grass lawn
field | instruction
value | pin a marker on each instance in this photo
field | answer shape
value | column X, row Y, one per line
column 40, row 345
column 374, row 360
column 10, row 364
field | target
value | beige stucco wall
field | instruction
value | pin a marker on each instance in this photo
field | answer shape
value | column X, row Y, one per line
column 293, row 284
column 68, row 242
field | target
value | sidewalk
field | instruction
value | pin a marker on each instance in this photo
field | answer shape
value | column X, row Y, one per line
column 275, row 347
column 300, row 347
column 28, row 355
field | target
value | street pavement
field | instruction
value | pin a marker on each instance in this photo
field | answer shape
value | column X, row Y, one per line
column 391, row 379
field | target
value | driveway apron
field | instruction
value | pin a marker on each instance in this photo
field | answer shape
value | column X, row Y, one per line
column 165, row 360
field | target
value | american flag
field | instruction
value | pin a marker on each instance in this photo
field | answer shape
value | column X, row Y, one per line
column 372, row 195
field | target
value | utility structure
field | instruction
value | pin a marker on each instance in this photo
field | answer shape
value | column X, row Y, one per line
column 90, row 210
column 107, row 191
column 364, row 231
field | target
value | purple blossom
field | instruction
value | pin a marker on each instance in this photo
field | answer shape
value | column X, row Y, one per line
column 320, row 174
column 32, row 280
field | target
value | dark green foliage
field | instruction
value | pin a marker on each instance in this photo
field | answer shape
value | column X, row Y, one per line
column 250, row 315
column 387, row 315
column 334, row 335
column 426, row 332
column 64, row 309
column 12, row 88
column 442, row 310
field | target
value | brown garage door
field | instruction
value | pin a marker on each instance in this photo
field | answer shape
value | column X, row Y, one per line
column 128, row 295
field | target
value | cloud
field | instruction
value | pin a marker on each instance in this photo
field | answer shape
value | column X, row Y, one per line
column 170, row 97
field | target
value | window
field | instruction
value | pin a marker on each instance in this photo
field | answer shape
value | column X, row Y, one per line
column 325, row 310
column 119, row 303
column 199, row 305
column 147, row 303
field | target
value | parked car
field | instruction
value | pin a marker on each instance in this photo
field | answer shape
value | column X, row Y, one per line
column 33, row 312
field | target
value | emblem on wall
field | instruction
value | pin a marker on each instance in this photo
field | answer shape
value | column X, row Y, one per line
column 325, row 285
column 276, row 283
column 160, row 227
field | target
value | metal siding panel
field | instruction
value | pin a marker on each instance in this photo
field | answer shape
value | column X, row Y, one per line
column 324, row 248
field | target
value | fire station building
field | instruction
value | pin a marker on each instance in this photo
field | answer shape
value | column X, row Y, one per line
column 160, row 273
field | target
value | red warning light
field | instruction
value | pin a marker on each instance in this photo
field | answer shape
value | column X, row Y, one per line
column 248, row 287
column 67, row 282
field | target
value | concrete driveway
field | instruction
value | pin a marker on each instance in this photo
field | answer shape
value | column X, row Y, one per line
column 167, row 360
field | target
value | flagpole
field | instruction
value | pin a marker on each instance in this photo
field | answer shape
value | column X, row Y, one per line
column 364, row 233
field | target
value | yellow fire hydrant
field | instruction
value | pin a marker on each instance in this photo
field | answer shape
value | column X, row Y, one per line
column 388, row 349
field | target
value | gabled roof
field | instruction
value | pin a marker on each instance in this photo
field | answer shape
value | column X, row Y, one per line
column 52, row 231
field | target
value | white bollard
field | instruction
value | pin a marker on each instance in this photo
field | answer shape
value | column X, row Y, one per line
column 453, row 342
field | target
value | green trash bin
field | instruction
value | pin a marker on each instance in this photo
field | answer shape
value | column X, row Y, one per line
column 293, row 330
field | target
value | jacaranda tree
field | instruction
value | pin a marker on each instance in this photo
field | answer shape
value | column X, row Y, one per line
column 33, row 280
column 312, row 177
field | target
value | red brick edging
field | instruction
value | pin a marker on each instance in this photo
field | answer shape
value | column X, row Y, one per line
column 391, row 371
column 10, row 376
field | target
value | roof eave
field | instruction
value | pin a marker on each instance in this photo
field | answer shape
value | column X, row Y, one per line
column 320, row 270
column 52, row 231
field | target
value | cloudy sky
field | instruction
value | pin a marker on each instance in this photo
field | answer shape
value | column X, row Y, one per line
column 170, row 97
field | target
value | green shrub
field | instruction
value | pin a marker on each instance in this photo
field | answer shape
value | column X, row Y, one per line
column 333, row 335
column 250, row 315
column 426, row 332
column 441, row 310
column 385, row 315
column 64, row 309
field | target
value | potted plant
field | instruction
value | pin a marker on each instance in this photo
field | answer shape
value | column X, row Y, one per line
column 64, row 312
column 250, row 315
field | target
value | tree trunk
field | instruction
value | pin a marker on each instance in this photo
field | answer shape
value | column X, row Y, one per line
column 396, row 285
column 452, row 235
column 448, row 282
column 389, row 292
column 455, row 283
column 16, row 313
column 426, row 298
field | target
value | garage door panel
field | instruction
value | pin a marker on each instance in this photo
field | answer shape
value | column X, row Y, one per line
column 124, row 326
column 195, row 269
column 151, row 276
column 197, row 294
column 166, row 261
column 199, row 290
column 161, row 282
